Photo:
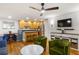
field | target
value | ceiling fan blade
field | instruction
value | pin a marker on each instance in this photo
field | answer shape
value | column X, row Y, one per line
column 34, row 8
column 53, row 8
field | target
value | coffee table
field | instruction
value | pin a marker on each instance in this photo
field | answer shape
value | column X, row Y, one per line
column 32, row 50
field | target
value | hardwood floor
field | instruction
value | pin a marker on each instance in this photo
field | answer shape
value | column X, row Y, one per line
column 14, row 48
column 74, row 52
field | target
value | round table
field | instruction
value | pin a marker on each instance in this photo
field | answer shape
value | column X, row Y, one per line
column 32, row 50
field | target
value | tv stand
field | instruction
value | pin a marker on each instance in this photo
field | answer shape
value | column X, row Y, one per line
column 65, row 29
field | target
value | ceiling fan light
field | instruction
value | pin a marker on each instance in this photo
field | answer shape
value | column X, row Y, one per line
column 42, row 11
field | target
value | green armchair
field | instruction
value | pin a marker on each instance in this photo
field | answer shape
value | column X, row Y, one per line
column 59, row 47
column 41, row 40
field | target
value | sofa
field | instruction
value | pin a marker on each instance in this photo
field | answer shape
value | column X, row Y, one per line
column 7, row 37
column 41, row 40
column 3, row 46
column 59, row 47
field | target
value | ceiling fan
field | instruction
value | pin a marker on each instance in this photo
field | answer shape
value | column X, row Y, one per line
column 43, row 9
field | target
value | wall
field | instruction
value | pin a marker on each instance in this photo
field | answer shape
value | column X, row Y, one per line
column 75, row 22
column 3, row 31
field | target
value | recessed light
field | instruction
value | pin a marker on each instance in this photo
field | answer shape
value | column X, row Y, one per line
column 35, row 19
column 9, row 17
column 27, row 18
column 41, row 20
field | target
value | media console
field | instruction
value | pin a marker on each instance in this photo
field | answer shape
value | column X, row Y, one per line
column 65, row 29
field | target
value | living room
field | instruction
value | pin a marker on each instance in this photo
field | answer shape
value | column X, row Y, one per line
column 24, row 23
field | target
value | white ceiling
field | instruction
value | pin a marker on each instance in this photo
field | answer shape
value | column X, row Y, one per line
column 22, row 10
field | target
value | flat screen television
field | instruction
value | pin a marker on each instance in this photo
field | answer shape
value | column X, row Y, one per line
column 65, row 22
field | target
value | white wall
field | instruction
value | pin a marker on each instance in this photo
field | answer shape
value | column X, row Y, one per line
column 75, row 22
column 3, row 31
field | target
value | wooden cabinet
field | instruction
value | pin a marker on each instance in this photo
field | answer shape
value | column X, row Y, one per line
column 31, row 29
column 30, row 36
